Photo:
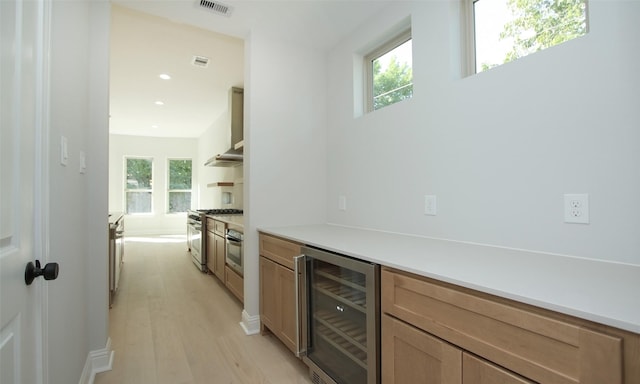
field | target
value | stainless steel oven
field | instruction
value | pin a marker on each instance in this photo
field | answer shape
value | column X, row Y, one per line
column 339, row 302
column 194, row 240
column 234, row 254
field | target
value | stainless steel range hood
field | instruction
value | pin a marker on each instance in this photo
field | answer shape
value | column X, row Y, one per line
column 231, row 158
column 234, row 156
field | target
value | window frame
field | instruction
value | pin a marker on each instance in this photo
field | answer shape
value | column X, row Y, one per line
column 169, row 191
column 469, row 31
column 381, row 50
column 127, row 189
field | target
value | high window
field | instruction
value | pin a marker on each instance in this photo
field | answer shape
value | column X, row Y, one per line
column 179, row 186
column 138, row 185
column 505, row 30
column 388, row 72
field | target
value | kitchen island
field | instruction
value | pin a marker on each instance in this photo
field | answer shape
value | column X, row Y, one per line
column 581, row 296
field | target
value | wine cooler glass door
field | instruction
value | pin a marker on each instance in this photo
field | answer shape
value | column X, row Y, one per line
column 343, row 317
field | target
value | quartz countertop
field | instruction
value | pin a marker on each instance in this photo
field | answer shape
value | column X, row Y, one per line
column 600, row 291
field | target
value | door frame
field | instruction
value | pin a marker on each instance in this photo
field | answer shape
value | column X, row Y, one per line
column 41, row 186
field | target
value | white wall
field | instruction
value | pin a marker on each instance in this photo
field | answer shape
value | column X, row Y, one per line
column 161, row 150
column 285, row 143
column 215, row 140
column 77, row 302
column 499, row 149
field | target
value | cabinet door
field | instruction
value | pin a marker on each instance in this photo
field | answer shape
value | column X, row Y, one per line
column 410, row 355
column 268, row 296
column 278, row 302
column 287, row 300
column 478, row 371
column 210, row 252
column 219, row 252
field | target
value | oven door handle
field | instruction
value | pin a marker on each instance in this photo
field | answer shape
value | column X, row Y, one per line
column 234, row 240
column 300, row 287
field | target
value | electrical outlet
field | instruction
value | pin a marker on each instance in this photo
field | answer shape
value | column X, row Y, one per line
column 576, row 208
column 430, row 207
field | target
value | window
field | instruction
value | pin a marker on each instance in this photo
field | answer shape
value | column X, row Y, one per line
column 389, row 74
column 179, row 190
column 138, row 185
column 505, row 30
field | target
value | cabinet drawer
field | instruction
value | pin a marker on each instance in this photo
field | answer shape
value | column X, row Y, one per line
column 234, row 283
column 210, row 225
column 279, row 250
column 219, row 227
column 528, row 342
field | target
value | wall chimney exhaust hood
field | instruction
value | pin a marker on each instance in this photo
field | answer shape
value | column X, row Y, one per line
column 234, row 156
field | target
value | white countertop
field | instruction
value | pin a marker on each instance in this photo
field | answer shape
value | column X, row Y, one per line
column 604, row 292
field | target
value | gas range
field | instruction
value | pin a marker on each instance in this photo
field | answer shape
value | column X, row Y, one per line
column 221, row 211
column 197, row 214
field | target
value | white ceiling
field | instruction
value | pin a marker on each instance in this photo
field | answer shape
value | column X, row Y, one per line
column 150, row 37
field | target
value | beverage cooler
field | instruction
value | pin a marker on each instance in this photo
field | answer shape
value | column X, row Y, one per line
column 340, row 316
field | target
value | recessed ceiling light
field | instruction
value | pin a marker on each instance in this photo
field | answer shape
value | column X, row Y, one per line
column 155, row 126
column 164, row 76
column 159, row 102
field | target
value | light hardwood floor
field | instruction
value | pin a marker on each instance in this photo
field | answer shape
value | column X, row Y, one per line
column 172, row 324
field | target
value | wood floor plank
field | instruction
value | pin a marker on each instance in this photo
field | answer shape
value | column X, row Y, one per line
column 172, row 324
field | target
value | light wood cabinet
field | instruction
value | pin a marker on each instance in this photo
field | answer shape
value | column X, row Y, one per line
column 413, row 356
column 219, row 258
column 216, row 258
column 210, row 246
column 479, row 371
column 277, row 289
column 501, row 341
column 277, row 299
column 234, row 282
column 215, row 247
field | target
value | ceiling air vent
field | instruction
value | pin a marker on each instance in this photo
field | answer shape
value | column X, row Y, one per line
column 200, row 61
column 216, row 7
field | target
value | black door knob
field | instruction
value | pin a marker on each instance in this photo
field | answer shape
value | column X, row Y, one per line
column 50, row 271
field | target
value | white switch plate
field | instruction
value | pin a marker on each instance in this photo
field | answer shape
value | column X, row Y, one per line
column 576, row 208
column 430, row 206
column 83, row 162
column 342, row 203
column 64, row 151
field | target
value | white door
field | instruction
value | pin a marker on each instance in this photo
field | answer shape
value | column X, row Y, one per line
column 23, row 29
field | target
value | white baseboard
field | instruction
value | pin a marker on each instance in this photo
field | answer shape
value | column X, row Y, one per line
column 250, row 324
column 98, row 361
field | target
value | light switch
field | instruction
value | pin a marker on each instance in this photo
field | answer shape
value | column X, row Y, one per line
column 430, row 207
column 64, row 151
column 83, row 162
column 342, row 203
